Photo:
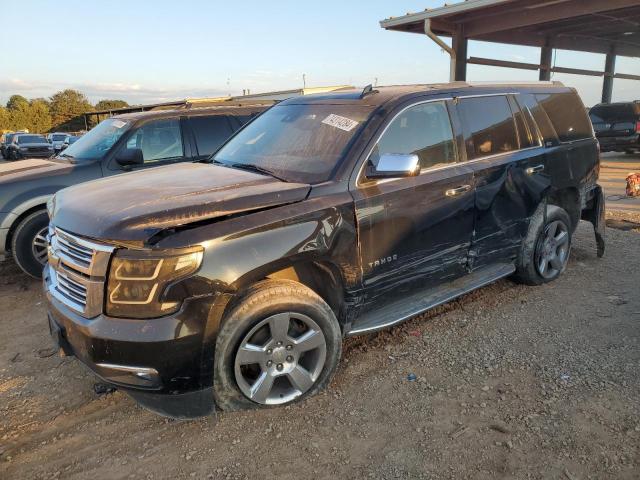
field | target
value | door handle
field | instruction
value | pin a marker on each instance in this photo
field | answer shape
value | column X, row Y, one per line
column 454, row 192
column 536, row 169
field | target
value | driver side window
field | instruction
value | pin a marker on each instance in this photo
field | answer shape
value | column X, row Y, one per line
column 159, row 140
column 423, row 130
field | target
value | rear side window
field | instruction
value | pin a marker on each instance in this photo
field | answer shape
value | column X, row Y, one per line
column 423, row 130
column 210, row 132
column 489, row 123
column 528, row 102
column 526, row 132
column 567, row 115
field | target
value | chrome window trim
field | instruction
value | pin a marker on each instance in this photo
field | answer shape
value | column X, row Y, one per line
column 384, row 130
column 467, row 162
column 459, row 163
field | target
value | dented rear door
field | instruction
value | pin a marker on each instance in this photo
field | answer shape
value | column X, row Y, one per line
column 509, row 165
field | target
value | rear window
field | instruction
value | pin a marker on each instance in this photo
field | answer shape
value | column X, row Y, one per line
column 567, row 115
column 612, row 113
column 210, row 132
column 490, row 124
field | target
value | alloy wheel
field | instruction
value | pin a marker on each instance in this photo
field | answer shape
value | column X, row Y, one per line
column 280, row 358
column 553, row 250
column 39, row 246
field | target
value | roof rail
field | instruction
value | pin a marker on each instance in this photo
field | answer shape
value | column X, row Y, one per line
column 553, row 82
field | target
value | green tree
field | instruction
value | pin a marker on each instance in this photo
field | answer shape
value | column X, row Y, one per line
column 67, row 105
column 19, row 112
column 39, row 115
column 5, row 119
column 111, row 104
column 16, row 102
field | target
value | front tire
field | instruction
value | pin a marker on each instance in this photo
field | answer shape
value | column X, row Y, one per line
column 29, row 243
column 546, row 249
column 278, row 344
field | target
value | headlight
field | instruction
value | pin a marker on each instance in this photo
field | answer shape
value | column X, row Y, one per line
column 137, row 281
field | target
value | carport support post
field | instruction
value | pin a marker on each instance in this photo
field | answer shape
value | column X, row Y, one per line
column 609, row 72
column 546, row 55
column 459, row 44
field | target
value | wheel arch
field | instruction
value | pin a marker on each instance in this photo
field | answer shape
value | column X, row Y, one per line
column 20, row 217
column 569, row 199
column 321, row 276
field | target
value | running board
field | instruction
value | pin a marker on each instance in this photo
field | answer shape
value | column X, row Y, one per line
column 406, row 308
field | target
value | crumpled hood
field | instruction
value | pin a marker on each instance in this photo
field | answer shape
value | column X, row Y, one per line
column 134, row 207
column 30, row 168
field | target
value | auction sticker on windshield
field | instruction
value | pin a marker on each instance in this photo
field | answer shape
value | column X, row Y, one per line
column 343, row 123
column 119, row 123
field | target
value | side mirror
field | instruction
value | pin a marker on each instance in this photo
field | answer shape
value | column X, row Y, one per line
column 395, row 165
column 130, row 157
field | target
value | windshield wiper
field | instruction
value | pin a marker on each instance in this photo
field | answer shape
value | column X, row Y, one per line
column 66, row 155
column 251, row 168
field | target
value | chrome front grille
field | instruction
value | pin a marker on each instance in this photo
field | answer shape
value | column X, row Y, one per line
column 77, row 271
column 75, row 291
column 76, row 252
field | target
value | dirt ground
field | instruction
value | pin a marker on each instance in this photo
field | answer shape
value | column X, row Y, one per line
column 511, row 382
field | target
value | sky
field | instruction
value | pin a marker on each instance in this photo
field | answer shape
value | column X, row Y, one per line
column 151, row 51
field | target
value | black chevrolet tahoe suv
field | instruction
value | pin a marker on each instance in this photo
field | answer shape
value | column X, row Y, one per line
column 617, row 126
column 129, row 142
column 233, row 283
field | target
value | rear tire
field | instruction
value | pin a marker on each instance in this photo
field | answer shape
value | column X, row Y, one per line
column 28, row 243
column 279, row 359
column 546, row 249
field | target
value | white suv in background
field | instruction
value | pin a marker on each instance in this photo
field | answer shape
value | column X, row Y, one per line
column 56, row 139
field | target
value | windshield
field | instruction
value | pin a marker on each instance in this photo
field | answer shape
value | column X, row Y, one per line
column 299, row 143
column 31, row 139
column 59, row 138
column 98, row 141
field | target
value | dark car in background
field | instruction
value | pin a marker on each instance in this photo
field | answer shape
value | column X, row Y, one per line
column 329, row 215
column 4, row 143
column 125, row 143
column 28, row 145
column 617, row 126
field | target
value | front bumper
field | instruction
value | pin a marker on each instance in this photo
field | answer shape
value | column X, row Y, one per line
column 163, row 363
column 619, row 144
